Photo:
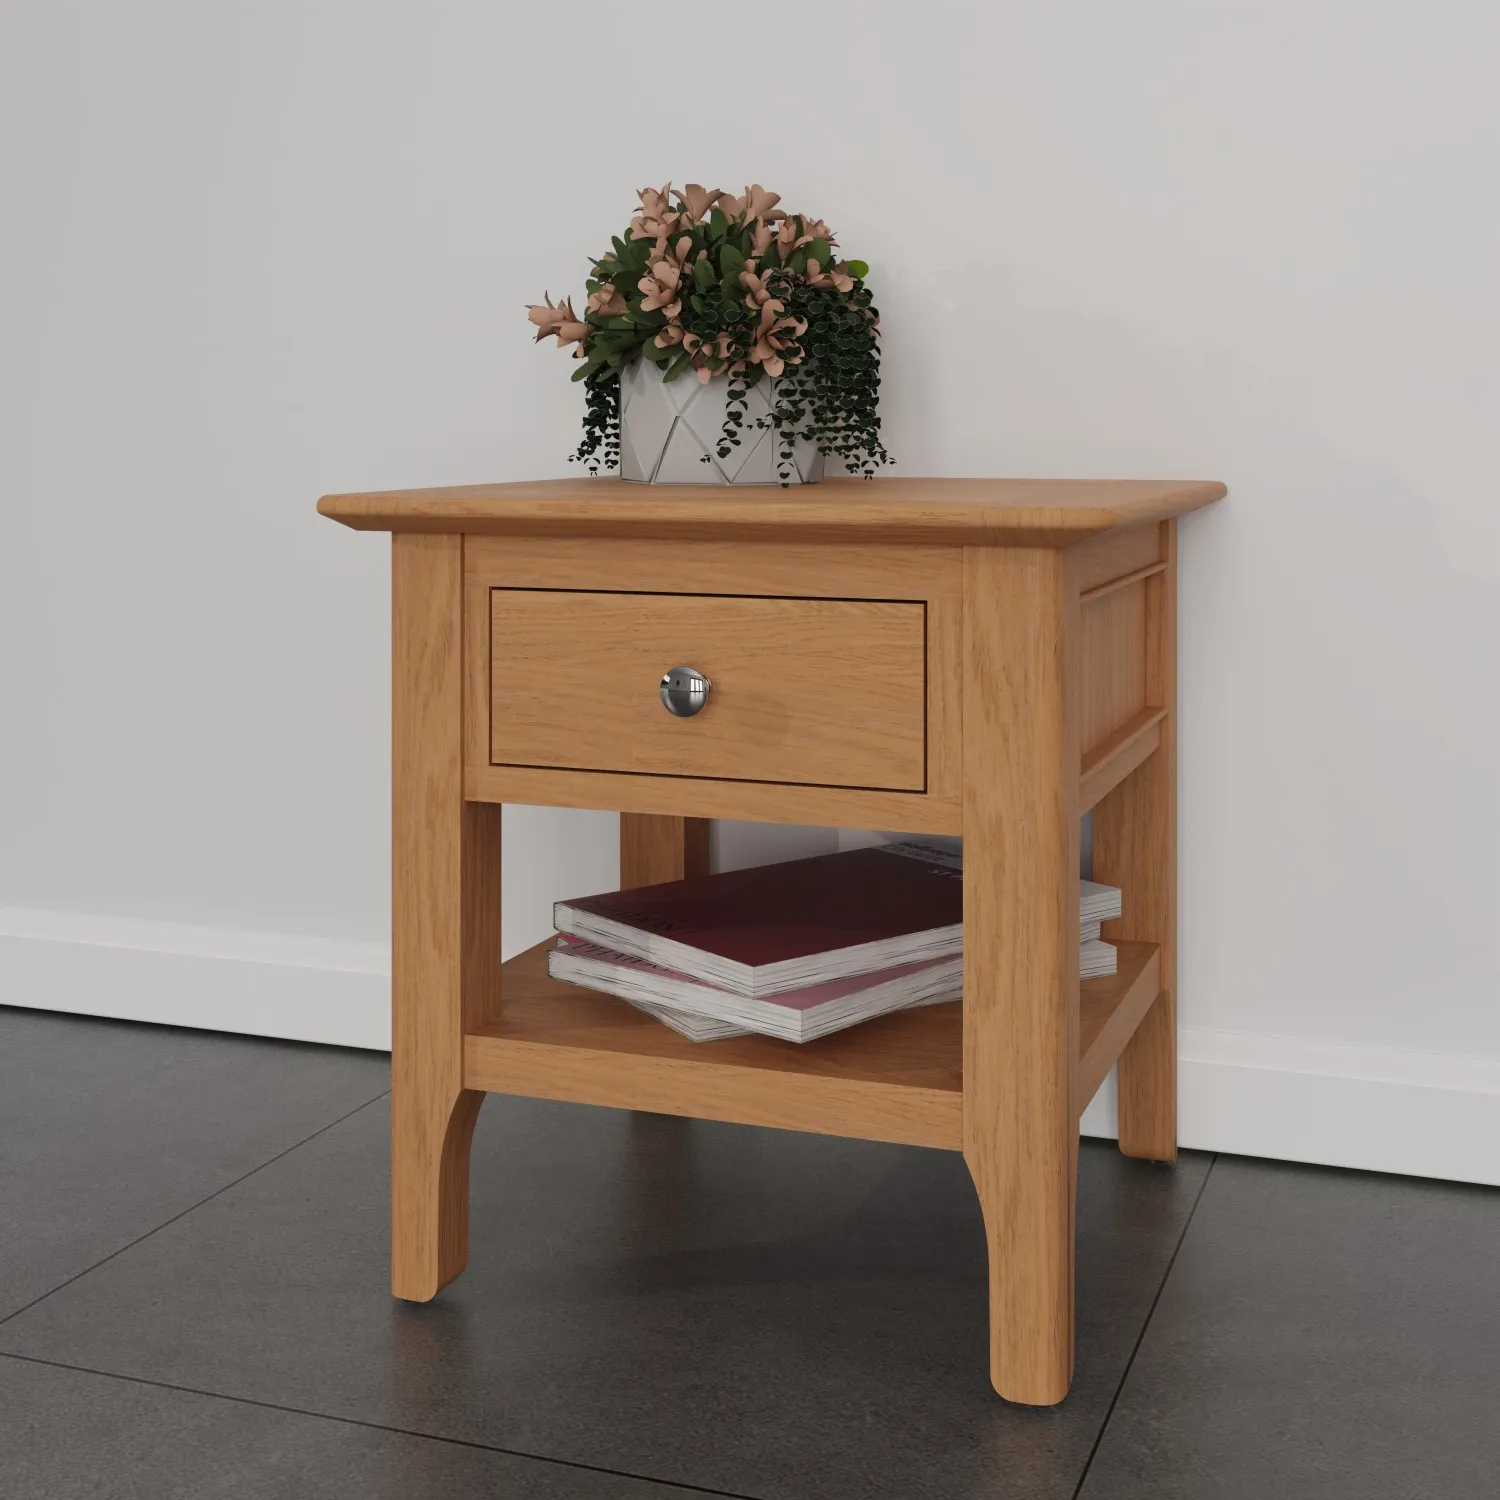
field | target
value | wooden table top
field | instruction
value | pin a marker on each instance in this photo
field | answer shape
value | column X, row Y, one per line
column 976, row 512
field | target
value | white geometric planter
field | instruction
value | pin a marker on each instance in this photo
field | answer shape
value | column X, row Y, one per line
column 668, row 430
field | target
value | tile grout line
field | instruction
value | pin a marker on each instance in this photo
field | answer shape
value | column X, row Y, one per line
column 323, row 1416
column 1140, row 1338
column 191, row 1208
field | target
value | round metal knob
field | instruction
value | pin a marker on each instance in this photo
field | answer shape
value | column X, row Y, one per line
column 684, row 691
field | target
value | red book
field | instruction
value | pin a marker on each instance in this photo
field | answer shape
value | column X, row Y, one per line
column 705, row 1013
column 781, row 927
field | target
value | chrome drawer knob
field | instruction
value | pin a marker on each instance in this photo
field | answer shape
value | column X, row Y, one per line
column 684, row 691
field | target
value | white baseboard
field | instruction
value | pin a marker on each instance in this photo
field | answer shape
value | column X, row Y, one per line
column 217, row 979
column 1382, row 1109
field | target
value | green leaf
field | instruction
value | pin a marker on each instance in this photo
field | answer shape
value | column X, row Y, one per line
column 704, row 275
column 819, row 252
column 797, row 262
column 731, row 263
column 678, row 365
column 718, row 225
column 656, row 318
column 587, row 368
column 857, row 268
column 656, row 354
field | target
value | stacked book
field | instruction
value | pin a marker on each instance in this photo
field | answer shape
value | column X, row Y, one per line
column 795, row 950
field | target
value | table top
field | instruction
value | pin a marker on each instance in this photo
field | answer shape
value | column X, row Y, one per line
column 976, row 512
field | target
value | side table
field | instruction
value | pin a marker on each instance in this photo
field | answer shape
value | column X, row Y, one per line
column 984, row 657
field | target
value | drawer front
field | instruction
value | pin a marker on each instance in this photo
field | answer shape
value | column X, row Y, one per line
column 827, row 692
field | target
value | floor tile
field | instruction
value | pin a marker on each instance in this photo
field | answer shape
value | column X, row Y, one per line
column 1324, row 1334
column 108, row 1129
column 787, row 1316
column 70, row 1435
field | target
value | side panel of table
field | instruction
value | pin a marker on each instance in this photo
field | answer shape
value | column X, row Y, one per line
column 1135, row 847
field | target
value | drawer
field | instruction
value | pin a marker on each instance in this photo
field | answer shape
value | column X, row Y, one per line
column 825, row 692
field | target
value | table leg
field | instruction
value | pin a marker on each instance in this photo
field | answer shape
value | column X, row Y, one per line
column 445, row 927
column 654, row 849
column 1020, row 771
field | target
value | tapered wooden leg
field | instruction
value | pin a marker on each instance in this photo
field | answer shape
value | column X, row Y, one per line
column 1135, row 848
column 1020, row 771
column 656, row 849
column 445, row 928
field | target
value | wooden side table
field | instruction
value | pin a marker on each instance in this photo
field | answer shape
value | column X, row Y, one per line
column 985, row 657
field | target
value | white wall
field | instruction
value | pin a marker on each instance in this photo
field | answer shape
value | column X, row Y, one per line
column 254, row 253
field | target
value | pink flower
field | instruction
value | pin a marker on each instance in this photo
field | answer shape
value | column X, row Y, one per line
column 698, row 201
column 656, row 219
column 774, row 337
column 835, row 276
column 757, row 203
column 607, row 301
column 662, row 286
column 560, row 320
column 759, row 294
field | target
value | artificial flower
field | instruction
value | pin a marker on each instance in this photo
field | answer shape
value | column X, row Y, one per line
column 662, row 285
column 697, row 201
column 655, row 219
column 835, row 276
column 546, row 316
column 757, row 203
column 607, row 302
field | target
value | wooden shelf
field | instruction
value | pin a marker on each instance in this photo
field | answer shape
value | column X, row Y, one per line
column 898, row 1078
column 1109, row 1010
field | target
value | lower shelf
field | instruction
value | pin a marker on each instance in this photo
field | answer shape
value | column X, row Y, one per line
column 898, row 1078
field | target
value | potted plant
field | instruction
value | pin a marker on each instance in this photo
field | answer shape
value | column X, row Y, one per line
column 723, row 342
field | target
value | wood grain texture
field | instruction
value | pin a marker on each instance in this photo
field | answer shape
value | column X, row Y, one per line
column 1112, row 670
column 654, row 850
column 830, row 807
column 945, row 689
column 828, row 692
column 1117, row 755
column 476, row 670
column 1109, row 1011
column 1114, row 554
column 1139, row 576
column 897, row 1078
column 986, row 512
column 1021, row 952
column 445, row 939
column 1135, row 847
column 790, row 569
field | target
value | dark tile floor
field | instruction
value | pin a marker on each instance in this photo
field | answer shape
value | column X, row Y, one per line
column 193, row 1304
